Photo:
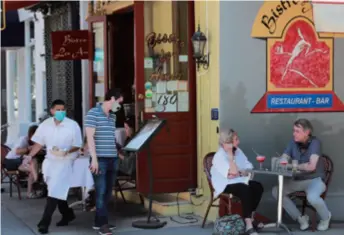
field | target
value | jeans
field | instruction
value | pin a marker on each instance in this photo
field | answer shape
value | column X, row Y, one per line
column 313, row 188
column 250, row 195
column 103, row 185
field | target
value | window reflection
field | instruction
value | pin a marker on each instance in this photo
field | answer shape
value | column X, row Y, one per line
column 166, row 56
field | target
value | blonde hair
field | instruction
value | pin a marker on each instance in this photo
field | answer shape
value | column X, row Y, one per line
column 226, row 136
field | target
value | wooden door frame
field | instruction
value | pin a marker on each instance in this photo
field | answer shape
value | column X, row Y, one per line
column 139, row 39
column 90, row 21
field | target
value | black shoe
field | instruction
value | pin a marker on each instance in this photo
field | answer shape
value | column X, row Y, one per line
column 43, row 229
column 105, row 230
column 110, row 226
column 67, row 219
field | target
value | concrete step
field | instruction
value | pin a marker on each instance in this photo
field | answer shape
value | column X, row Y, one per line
column 163, row 204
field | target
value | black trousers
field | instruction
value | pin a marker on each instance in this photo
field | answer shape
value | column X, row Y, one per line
column 12, row 164
column 250, row 195
column 50, row 207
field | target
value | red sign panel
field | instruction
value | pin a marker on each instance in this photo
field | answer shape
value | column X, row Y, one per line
column 70, row 45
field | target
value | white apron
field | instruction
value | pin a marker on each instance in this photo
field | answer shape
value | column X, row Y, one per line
column 57, row 174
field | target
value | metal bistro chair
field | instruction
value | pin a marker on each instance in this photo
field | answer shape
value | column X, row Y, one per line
column 13, row 176
column 207, row 163
column 301, row 195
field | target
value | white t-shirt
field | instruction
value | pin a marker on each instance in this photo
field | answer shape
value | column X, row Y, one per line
column 64, row 136
column 23, row 142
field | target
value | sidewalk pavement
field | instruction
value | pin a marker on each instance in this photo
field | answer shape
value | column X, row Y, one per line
column 21, row 217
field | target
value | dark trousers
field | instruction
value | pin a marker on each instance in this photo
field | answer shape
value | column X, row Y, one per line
column 12, row 164
column 104, row 182
column 50, row 207
column 250, row 195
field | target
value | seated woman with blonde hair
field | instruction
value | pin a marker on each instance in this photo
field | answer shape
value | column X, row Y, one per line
column 17, row 160
column 229, row 175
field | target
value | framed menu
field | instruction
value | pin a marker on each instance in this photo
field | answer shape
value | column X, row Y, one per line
column 144, row 135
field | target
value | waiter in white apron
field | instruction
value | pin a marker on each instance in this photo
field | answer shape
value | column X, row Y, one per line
column 62, row 138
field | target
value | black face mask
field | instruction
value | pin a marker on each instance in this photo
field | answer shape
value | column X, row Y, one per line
column 305, row 146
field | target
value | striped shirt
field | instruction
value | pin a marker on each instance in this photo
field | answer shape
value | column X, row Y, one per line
column 105, row 127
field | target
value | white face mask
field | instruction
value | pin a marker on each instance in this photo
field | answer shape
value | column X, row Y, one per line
column 115, row 107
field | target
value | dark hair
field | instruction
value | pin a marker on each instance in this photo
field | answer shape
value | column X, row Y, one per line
column 32, row 129
column 30, row 132
column 115, row 92
column 305, row 124
column 57, row 102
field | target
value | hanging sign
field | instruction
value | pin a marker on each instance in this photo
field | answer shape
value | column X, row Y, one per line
column 70, row 45
column 299, row 60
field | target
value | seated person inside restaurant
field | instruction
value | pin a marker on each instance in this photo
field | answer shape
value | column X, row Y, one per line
column 15, row 161
column 127, row 161
column 229, row 175
column 305, row 148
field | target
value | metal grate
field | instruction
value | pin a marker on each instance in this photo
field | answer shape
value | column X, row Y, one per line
column 59, row 74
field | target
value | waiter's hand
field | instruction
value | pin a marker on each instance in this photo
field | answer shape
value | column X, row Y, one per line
column 94, row 166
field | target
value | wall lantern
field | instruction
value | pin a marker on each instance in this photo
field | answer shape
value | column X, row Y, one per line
column 198, row 43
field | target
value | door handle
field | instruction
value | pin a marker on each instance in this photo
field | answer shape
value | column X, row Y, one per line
column 140, row 96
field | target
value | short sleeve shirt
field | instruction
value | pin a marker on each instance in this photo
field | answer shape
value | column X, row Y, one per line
column 65, row 135
column 303, row 154
column 23, row 142
column 105, row 128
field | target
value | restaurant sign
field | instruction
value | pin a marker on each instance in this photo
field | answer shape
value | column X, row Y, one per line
column 299, row 60
column 70, row 45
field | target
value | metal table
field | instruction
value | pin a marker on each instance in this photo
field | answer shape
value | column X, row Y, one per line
column 281, row 175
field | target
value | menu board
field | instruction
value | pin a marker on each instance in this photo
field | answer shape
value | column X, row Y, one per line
column 144, row 135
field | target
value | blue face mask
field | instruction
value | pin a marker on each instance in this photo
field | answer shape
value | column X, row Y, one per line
column 60, row 115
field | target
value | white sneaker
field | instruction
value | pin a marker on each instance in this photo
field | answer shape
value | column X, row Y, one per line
column 304, row 222
column 324, row 224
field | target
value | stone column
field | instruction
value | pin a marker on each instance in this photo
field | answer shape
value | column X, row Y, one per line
column 28, row 69
column 83, row 8
column 10, row 78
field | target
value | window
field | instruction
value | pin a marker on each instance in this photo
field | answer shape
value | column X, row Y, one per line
column 166, row 83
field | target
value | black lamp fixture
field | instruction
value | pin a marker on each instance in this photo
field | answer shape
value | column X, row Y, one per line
column 198, row 43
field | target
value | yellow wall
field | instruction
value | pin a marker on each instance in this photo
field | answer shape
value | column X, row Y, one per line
column 207, row 13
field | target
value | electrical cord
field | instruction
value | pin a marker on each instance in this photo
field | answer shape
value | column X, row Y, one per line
column 190, row 219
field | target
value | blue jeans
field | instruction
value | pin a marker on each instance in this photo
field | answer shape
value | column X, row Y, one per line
column 103, row 185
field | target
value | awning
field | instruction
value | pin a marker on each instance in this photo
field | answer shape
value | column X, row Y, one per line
column 13, row 35
column 11, row 5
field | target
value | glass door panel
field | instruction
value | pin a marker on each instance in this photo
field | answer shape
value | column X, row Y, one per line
column 166, row 83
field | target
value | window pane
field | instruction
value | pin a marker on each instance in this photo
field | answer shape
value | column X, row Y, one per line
column 166, row 56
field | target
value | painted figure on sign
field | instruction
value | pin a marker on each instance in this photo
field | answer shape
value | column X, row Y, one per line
column 298, row 49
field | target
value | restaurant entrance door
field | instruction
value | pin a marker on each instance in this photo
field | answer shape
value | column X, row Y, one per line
column 165, row 83
column 166, row 88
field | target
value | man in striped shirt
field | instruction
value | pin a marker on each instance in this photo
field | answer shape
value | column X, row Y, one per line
column 100, row 123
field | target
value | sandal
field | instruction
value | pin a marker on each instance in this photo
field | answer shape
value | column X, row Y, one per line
column 257, row 225
column 251, row 231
